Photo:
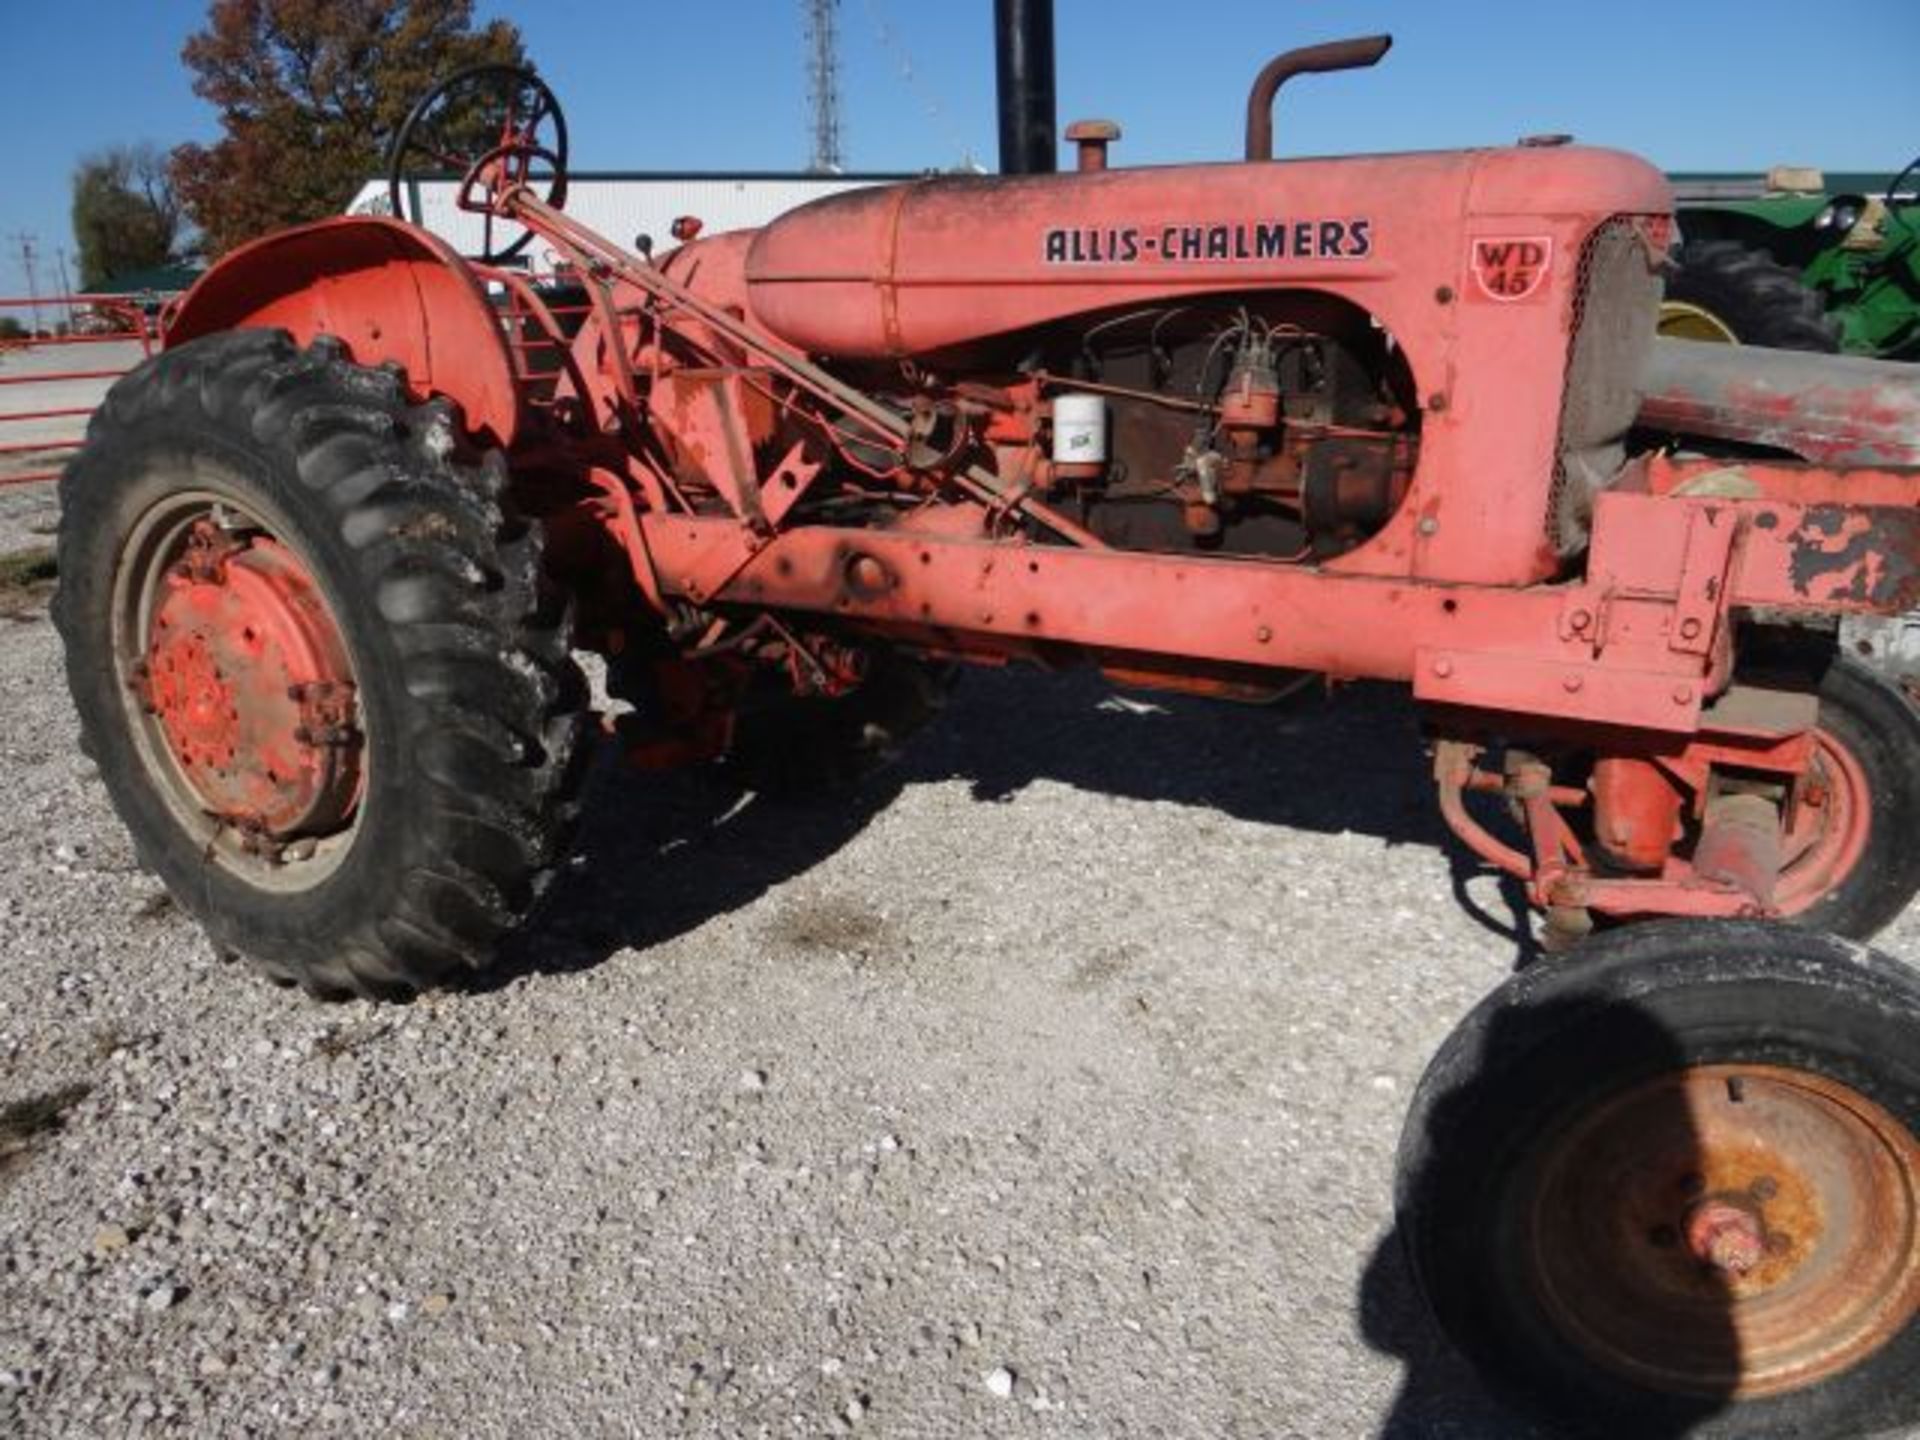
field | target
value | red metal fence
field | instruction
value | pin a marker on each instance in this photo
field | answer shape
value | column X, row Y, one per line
column 57, row 322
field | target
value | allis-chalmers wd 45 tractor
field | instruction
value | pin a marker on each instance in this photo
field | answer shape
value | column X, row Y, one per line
column 326, row 561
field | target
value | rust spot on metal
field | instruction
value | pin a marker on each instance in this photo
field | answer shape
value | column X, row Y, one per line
column 1867, row 555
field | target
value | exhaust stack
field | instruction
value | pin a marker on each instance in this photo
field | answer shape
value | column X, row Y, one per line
column 1023, row 67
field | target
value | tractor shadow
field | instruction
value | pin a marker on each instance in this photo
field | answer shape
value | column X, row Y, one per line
column 662, row 854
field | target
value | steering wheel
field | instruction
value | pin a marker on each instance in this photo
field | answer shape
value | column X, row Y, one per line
column 483, row 124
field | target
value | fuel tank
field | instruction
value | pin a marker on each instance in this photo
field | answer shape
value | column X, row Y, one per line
column 945, row 262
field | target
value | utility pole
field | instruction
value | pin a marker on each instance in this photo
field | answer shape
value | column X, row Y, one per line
column 66, row 284
column 33, row 285
column 823, row 83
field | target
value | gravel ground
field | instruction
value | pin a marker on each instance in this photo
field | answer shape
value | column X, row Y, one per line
column 1048, row 1085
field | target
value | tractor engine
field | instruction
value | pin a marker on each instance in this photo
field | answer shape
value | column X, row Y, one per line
column 1278, row 425
column 1281, row 424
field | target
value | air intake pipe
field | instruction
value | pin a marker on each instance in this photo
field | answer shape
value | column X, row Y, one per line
column 1828, row 409
column 1312, row 60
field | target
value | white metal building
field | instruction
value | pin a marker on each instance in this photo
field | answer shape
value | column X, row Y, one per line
column 625, row 204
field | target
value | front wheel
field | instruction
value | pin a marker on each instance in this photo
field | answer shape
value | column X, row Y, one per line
column 1849, row 864
column 1672, row 1185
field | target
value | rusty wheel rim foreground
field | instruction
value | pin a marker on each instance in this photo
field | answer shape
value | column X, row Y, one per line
column 240, row 690
column 1727, row 1231
column 1831, row 823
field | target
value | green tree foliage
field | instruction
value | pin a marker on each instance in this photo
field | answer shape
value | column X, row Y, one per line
column 125, row 216
column 11, row 329
column 310, row 92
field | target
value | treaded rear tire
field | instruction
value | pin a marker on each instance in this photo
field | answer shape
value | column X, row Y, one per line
column 1760, row 300
column 472, row 707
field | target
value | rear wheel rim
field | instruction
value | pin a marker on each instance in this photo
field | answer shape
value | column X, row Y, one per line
column 1829, row 829
column 1726, row 1230
column 1681, row 320
column 240, row 690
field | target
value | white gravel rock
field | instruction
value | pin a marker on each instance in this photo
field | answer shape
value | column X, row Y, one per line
column 164, row 1297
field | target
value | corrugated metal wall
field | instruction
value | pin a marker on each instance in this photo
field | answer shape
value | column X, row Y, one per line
column 621, row 207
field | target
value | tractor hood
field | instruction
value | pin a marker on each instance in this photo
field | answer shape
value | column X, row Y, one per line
column 939, row 263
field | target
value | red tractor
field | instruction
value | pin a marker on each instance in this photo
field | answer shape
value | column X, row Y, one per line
column 326, row 562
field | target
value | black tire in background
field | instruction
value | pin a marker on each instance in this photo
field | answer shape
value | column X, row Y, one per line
column 1751, row 295
column 1528, row 1073
column 470, row 704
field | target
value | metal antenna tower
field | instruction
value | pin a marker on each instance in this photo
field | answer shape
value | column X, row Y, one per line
column 823, row 83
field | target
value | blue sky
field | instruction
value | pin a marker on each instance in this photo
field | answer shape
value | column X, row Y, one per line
column 721, row 84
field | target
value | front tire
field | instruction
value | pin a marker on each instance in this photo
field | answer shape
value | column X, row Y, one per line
column 313, row 656
column 1669, row 1185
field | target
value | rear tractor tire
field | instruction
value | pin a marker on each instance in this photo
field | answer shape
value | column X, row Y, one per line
column 313, row 656
column 1671, row 1185
column 1722, row 291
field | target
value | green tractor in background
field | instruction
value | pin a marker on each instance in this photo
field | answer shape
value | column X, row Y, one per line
column 1798, row 261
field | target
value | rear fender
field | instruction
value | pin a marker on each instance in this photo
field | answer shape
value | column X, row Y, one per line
column 387, row 291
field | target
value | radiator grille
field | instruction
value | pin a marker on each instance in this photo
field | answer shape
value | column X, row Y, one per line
column 1616, row 302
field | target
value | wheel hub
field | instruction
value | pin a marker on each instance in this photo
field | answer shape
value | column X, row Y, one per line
column 1727, row 1236
column 1728, row 1230
column 247, row 679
